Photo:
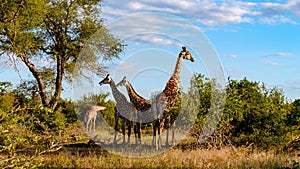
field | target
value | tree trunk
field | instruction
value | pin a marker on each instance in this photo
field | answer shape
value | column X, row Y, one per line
column 37, row 76
column 58, row 83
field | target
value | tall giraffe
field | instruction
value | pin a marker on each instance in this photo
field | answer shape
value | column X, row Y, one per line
column 90, row 117
column 124, row 108
column 167, row 99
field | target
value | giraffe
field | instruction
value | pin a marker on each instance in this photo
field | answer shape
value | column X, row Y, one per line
column 143, row 106
column 90, row 117
column 124, row 109
column 167, row 99
column 138, row 101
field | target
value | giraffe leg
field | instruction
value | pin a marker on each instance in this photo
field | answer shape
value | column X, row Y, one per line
column 173, row 134
column 135, row 132
column 86, row 125
column 116, row 128
column 167, row 124
column 86, row 122
column 157, row 144
column 94, row 123
column 167, row 138
column 139, row 133
column 89, row 125
column 160, row 127
column 123, row 129
column 137, row 127
column 154, row 134
column 129, row 131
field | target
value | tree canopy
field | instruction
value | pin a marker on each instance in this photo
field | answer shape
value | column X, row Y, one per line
column 48, row 37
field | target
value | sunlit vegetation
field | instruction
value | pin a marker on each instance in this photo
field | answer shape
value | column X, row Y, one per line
column 259, row 128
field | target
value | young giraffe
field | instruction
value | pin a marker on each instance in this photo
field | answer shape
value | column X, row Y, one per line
column 90, row 117
column 167, row 99
column 143, row 106
column 146, row 115
column 124, row 108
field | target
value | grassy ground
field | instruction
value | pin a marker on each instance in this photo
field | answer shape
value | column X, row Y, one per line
column 227, row 157
column 77, row 153
column 200, row 158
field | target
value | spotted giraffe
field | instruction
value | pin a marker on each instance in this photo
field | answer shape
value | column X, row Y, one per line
column 163, row 101
column 138, row 101
column 124, row 109
column 146, row 115
column 90, row 117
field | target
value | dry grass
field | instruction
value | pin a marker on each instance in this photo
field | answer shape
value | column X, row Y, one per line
column 84, row 156
column 175, row 158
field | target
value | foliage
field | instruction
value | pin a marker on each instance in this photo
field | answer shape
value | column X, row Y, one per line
column 259, row 115
column 48, row 36
column 67, row 108
column 293, row 118
column 27, row 126
column 252, row 114
column 19, row 132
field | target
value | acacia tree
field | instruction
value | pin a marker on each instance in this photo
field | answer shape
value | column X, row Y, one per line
column 54, row 32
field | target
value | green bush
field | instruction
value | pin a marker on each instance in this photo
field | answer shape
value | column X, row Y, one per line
column 252, row 114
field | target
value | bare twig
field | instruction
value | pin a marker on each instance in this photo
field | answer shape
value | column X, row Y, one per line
column 13, row 60
column 6, row 160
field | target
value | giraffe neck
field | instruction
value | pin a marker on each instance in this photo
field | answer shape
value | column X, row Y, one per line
column 176, row 73
column 133, row 96
column 119, row 97
column 131, row 93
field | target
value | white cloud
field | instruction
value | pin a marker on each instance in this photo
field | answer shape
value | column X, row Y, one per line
column 153, row 29
column 126, row 67
column 293, row 6
column 271, row 63
column 281, row 54
column 292, row 84
column 211, row 13
column 135, row 5
column 276, row 19
column 233, row 56
column 152, row 39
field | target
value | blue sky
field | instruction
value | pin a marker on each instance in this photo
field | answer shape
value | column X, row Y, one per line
column 254, row 39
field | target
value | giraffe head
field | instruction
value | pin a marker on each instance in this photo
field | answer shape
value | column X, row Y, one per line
column 123, row 82
column 106, row 80
column 98, row 108
column 186, row 54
